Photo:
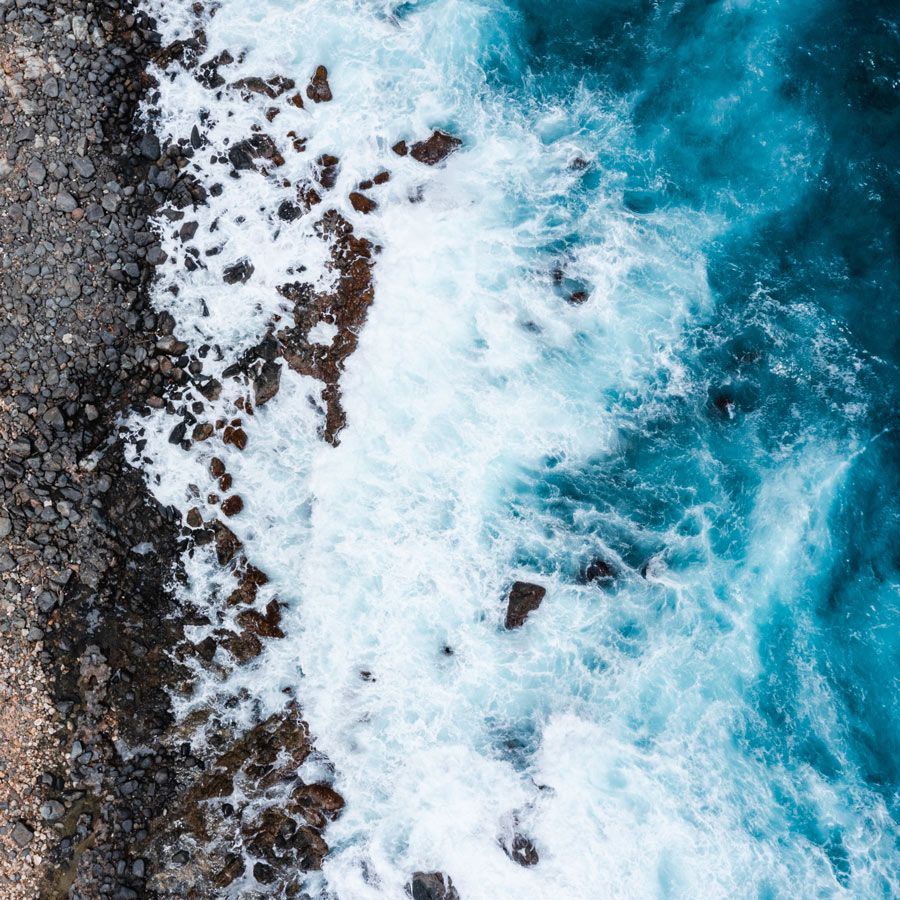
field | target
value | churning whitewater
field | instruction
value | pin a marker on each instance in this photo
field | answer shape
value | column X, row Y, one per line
column 630, row 342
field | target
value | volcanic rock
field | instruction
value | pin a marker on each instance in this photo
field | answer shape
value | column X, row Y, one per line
column 431, row 886
column 266, row 384
column 435, row 149
column 524, row 598
column 319, row 90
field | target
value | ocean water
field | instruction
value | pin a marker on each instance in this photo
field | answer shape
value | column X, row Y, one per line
column 717, row 421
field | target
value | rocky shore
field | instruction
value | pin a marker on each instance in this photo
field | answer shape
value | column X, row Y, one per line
column 83, row 661
column 102, row 792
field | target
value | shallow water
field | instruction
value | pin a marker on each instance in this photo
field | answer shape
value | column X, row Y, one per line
column 717, row 422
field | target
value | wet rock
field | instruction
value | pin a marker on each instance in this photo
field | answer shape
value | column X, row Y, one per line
column 320, row 797
column 233, row 868
column 239, row 272
column 328, row 169
column 262, row 624
column 208, row 74
column 149, row 147
column 435, row 149
column 202, row 431
column 267, row 383
column 264, row 873
column 227, row 543
column 260, row 146
column 431, row 886
column 176, row 435
column 237, row 437
column 319, row 90
column 524, row 598
column 400, row 148
column 361, row 203
column 597, row 570
column 289, row 211
column 521, row 850
column 243, row 647
column 232, row 505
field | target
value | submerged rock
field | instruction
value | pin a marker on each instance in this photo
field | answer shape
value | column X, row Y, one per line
column 431, row 886
column 435, row 149
column 597, row 570
column 522, row 851
column 524, row 598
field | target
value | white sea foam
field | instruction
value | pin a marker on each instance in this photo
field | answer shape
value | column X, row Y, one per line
column 472, row 370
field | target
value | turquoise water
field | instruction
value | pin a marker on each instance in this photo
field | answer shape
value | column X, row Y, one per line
column 717, row 422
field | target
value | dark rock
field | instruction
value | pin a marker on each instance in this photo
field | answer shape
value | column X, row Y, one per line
column 264, row 873
column 328, row 169
column 435, row 149
column 524, row 598
column 237, row 437
column 288, row 211
column 400, row 148
column 597, row 570
column 227, row 543
column 149, row 147
column 202, row 431
column 319, row 90
column 522, row 851
column 262, row 624
column 267, row 383
column 238, row 272
column 176, row 435
column 361, row 203
column 232, row 505
column 431, row 886
column 21, row 834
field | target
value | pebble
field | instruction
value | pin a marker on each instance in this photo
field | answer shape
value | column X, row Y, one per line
column 36, row 172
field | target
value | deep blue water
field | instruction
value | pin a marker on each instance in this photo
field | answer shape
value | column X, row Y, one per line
column 783, row 118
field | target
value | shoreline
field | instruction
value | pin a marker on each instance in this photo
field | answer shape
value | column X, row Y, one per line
column 84, row 652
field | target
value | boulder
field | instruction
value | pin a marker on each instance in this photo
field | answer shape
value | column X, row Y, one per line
column 319, row 91
column 597, row 570
column 361, row 203
column 431, row 886
column 524, row 598
column 435, row 149
column 267, row 383
column 238, row 272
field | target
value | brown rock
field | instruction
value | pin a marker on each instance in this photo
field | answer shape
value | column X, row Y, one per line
column 296, row 100
column 328, row 169
column 361, row 203
column 319, row 90
column 318, row 796
column 216, row 467
column 435, row 149
column 523, row 599
column 382, row 177
column 250, row 582
column 227, row 543
column 202, row 431
column 243, row 647
column 232, row 505
column 194, row 519
column 263, row 625
column 237, row 437
column 400, row 148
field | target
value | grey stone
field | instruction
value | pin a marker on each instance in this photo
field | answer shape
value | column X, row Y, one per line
column 5, row 526
column 65, row 201
column 36, row 172
column 51, row 87
column 72, row 287
column 149, row 147
column 45, row 601
column 84, row 167
column 21, row 834
column 52, row 810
